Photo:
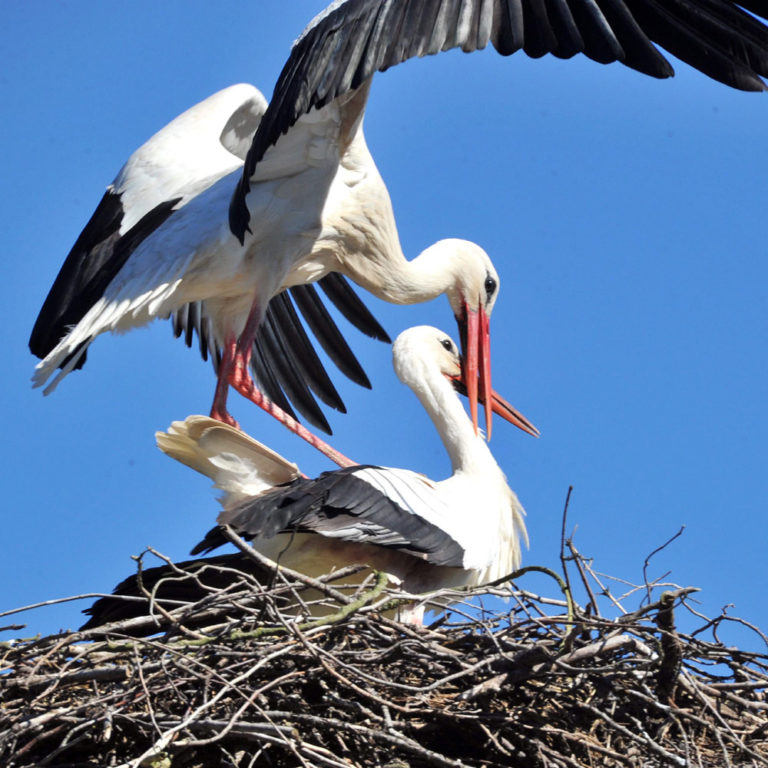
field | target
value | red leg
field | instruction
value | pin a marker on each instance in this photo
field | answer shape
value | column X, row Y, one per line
column 247, row 388
column 234, row 371
column 219, row 407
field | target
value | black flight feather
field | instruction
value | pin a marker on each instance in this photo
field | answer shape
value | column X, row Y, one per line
column 345, row 299
column 283, row 351
column 283, row 363
column 265, row 377
column 346, row 46
column 96, row 257
column 327, row 333
column 334, row 501
column 291, row 336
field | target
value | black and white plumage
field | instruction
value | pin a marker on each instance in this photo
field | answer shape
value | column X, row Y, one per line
column 309, row 200
column 351, row 40
column 321, row 207
column 397, row 520
column 183, row 159
column 425, row 534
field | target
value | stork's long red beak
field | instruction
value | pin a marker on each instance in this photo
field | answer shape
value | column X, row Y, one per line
column 476, row 345
column 498, row 405
column 475, row 378
column 512, row 415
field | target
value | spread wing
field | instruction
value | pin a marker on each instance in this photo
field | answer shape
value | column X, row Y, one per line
column 353, row 39
column 178, row 163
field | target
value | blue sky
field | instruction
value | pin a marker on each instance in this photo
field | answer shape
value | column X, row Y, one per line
column 626, row 217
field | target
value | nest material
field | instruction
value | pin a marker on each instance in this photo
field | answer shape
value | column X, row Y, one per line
column 541, row 683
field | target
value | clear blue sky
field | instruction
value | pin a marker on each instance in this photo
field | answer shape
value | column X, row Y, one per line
column 626, row 217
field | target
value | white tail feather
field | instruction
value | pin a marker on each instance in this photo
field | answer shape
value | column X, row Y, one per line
column 239, row 465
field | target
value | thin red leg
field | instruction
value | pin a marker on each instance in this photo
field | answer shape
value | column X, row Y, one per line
column 219, row 408
column 234, row 371
column 248, row 389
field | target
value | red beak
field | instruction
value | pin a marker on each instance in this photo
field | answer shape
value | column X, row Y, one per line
column 498, row 405
column 476, row 345
column 506, row 411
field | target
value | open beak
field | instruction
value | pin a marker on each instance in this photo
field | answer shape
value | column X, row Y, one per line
column 474, row 329
column 498, row 404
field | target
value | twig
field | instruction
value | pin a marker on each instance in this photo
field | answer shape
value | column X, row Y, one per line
column 485, row 688
column 656, row 551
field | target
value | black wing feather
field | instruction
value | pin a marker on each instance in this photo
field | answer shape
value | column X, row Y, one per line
column 284, row 363
column 713, row 36
column 345, row 299
column 287, row 371
column 600, row 43
column 639, row 53
column 191, row 319
column 266, row 379
column 292, row 337
column 334, row 501
column 340, row 50
column 327, row 333
column 538, row 34
column 568, row 39
column 96, row 257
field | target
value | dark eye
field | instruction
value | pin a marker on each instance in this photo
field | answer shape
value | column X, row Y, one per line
column 447, row 344
column 490, row 286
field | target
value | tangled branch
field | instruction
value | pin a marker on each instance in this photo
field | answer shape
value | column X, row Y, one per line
column 248, row 674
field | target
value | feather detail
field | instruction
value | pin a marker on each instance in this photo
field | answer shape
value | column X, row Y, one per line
column 238, row 465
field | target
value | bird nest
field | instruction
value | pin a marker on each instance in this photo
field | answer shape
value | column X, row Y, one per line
column 242, row 676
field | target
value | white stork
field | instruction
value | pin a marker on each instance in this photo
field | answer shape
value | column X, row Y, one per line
column 309, row 200
column 425, row 534
column 322, row 207
column 196, row 149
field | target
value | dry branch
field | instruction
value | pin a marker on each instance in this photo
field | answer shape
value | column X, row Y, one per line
column 235, row 679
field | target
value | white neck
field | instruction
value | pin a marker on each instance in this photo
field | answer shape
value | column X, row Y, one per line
column 485, row 514
column 362, row 237
column 399, row 281
column 500, row 514
column 468, row 452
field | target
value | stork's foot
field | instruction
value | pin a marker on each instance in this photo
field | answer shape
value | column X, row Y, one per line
column 224, row 416
column 233, row 372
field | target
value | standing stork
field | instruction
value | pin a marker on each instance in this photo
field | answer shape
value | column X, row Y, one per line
column 425, row 534
column 309, row 200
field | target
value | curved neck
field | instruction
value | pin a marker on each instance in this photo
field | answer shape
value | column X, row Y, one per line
column 424, row 278
column 386, row 272
column 360, row 238
column 467, row 451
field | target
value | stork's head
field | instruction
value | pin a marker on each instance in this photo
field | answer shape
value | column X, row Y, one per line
column 423, row 348
column 472, row 296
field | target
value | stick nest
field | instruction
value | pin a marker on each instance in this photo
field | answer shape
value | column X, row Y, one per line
column 235, row 679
